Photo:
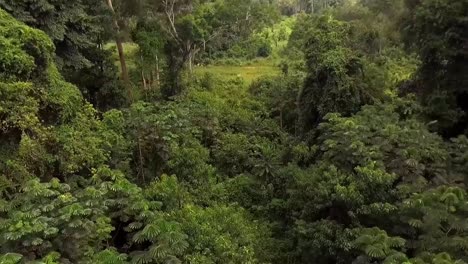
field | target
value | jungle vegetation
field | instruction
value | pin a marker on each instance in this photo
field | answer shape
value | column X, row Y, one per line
column 234, row 131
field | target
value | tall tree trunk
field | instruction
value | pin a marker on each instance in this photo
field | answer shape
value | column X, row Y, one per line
column 118, row 42
column 190, row 63
column 143, row 78
column 158, row 81
column 176, row 66
column 192, row 55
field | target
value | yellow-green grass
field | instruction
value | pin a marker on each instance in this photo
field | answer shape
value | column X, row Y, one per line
column 248, row 72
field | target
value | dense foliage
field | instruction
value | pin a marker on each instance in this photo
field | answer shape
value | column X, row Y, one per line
column 79, row 31
column 353, row 151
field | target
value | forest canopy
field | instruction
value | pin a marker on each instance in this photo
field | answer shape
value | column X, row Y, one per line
column 234, row 131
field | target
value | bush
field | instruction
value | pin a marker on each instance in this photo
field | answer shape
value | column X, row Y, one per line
column 264, row 50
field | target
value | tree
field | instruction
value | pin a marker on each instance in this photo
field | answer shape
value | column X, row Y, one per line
column 279, row 94
column 190, row 27
column 78, row 30
column 351, row 203
column 335, row 81
column 219, row 175
column 118, row 42
column 440, row 40
column 150, row 39
column 48, row 130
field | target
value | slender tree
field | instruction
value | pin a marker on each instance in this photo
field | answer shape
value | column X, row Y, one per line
column 118, row 42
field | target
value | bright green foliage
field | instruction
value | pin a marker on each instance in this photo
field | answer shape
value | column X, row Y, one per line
column 376, row 244
column 144, row 221
column 10, row 258
column 267, row 42
column 33, row 101
column 16, row 62
column 237, row 153
column 221, row 234
column 297, row 40
column 40, row 219
column 43, row 216
column 19, row 109
column 437, row 230
column 241, row 18
column 438, row 219
column 166, row 239
column 373, row 134
column 51, row 141
column 352, row 57
column 186, row 232
column 150, row 39
column 158, row 130
column 109, row 256
column 390, row 69
column 193, row 29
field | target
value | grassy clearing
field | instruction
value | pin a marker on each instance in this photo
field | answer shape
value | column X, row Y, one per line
column 247, row 72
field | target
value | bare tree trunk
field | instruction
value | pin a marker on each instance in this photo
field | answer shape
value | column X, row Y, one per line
column 157, row 72
column 144, row 80
column 143, row 73
column 118, row 42
column 192, row 56
column 145, row 87
column 190, row 63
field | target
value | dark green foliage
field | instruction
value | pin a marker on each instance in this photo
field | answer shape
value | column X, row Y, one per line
column 360, row 152
column 437, row 30
column 222, row 173
column 351, row 60
column 279, row 94
column 78, row 30
column 335, row 81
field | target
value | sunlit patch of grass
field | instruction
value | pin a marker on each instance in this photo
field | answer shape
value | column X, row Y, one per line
column 248, row 72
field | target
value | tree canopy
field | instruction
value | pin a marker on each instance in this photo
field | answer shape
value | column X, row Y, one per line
column 251, row 131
